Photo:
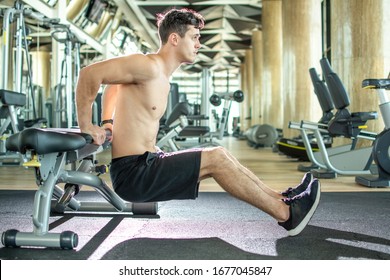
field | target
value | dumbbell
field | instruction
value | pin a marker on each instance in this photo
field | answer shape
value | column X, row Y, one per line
column 216, row 99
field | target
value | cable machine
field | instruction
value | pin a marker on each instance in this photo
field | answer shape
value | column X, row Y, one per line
column 64, row 111
column 12, row 96
column 21, row 54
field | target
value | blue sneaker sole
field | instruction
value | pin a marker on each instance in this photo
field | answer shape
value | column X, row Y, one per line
column 295, row 231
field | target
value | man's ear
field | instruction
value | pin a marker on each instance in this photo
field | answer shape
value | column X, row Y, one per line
column 173, row 38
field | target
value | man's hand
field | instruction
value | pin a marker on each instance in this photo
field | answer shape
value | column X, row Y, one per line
column 108, row 127
column 98, row 134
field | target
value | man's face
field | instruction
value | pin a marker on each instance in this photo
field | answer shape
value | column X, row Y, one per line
column 190, row 44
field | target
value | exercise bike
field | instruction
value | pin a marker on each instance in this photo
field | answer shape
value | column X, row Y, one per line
column 345, row 159
column 295, row 147
column 380, row 150
column 64, row 156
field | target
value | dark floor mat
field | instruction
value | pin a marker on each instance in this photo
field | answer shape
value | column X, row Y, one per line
column 215, row 226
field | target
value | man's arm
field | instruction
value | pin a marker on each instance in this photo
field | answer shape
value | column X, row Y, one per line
column 86, row 91
column 122, row 70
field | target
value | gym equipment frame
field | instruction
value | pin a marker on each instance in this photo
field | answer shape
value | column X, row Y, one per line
column 51, row 151
column 380, row 150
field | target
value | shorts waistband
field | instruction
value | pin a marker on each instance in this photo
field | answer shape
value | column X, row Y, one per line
column 134, row 158
column 130, row 158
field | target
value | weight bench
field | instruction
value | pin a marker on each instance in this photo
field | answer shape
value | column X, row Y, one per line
column 63, row 156
column 10, row 101
column 176, row 126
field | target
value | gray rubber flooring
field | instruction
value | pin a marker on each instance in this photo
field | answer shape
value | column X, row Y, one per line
column 215, row 226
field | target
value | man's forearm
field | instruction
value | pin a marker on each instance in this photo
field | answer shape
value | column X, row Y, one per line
column 84, row 113
column 86, row 92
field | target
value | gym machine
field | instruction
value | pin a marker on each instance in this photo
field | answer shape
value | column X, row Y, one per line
column 17, row 14
column 380, row 150
column 11, row 96
column 295, row 147
column 10, row 102
column 64, row 156
column 262, row 135
column 216, row 100
column 346, row 159
column 63, row 109
column 176, row 125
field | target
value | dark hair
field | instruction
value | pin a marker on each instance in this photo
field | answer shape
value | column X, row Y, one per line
column 177, row 20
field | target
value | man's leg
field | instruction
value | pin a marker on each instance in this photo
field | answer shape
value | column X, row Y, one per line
column 293, row 211
column 290, row 192
column 241, row 183
column 253, row 177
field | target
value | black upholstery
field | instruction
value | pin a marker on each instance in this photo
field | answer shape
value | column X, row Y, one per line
column 184, row 109
column 336, row 87
column 321, row 91
column 180, row 109
column 8, row 97
column 194, row 131
column 323, row 96
column 344, row 123
column 44, row 141
column 376, row 83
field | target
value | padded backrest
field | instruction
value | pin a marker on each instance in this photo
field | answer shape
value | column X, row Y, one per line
column 8, row 97
column 322, row 92
column 336, row 87
column 180, row 109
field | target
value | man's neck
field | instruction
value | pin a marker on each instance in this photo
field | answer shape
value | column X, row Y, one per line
column 171, row 63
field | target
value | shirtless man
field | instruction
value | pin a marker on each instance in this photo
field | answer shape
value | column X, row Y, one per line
column 134, row 101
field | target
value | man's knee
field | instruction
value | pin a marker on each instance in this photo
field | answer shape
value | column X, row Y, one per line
column 218, row 152
column 214, row 157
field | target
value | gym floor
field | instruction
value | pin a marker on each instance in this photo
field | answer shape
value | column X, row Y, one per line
column 351, row 222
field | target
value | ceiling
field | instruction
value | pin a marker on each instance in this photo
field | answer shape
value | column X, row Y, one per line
column 225, row 37
column 227, row 32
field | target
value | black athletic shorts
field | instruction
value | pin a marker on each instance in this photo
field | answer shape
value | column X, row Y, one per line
column 160, row 176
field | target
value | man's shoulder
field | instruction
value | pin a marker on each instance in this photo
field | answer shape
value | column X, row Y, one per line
column 145, row 63
column 146, row 59
column 142, row 56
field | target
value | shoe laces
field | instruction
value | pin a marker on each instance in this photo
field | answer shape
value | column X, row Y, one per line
column 290, row 189
column 292, row 200
column 286, row 192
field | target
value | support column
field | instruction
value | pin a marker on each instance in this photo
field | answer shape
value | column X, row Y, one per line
column 75, row 8
column 206, row 93
column 301, row 51
column 245, row 105
column 258, row 95
column 361, row 49
column 273, row 105
column 249, row 82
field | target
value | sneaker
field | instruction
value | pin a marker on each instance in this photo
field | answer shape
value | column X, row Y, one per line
column 302, row 208
column 306, row 180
